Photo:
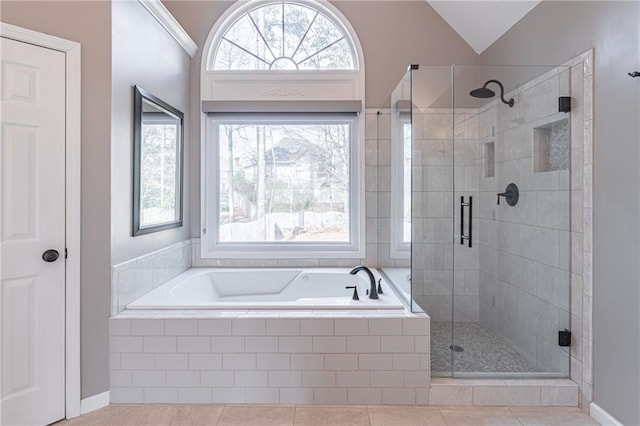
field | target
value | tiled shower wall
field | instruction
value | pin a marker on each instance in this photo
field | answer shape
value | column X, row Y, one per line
column 542, row 292
column 524, row 249
column 582, row 224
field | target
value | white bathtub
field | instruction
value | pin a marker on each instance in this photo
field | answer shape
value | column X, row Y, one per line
column 299, row 288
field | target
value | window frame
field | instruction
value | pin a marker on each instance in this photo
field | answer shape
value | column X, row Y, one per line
column 212, row 247
column 246, row 8
column 398, row 248
column 281, row 85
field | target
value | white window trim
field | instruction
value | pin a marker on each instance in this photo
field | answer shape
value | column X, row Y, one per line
column 212, row 248
column 244, row 7
column 398, row 249
column 287, row 87
column 249, row 85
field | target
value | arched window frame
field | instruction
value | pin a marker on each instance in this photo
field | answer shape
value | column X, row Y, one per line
column 282, row 91
column 270, row 85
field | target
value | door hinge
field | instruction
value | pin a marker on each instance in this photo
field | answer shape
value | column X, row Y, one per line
column 564, row 104
column 66, row 253
column 564, row 338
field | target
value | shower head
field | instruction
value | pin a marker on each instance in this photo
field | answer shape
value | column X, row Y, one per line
column 484, row 93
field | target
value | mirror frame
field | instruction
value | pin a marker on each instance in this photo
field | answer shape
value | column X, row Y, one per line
column 139, row 96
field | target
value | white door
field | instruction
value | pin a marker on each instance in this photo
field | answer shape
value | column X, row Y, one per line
column 32, row 211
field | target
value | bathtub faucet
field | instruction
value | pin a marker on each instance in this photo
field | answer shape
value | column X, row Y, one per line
column 373, row 292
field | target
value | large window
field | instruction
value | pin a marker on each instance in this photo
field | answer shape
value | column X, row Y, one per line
column 285, row 184
column 283, row 148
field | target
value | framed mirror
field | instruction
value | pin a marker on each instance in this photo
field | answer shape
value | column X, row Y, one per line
column 157, row 164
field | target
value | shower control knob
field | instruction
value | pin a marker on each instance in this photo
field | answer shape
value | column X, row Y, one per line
column 50, row 255
column 511, row 194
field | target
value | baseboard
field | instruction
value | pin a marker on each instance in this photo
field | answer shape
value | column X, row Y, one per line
column 601, row 416
column 95, row 402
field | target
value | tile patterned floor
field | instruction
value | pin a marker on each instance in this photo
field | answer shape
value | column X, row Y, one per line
column 484, row 352
column 266, row 415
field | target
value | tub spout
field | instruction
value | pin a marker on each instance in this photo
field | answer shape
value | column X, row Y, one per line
column 373, row 292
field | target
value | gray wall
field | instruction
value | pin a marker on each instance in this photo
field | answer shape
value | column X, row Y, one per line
column 88, row 23
column 553, row 33
column 143, row 54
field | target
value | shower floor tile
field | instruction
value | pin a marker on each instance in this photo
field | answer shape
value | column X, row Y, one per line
column 483, row 351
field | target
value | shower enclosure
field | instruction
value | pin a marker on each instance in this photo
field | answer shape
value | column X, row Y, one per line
column 479, row 207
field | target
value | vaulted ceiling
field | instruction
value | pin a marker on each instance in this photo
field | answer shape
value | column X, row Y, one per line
column 480, row 23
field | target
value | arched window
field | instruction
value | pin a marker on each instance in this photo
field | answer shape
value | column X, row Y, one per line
column 284, row 35
column 282, row 89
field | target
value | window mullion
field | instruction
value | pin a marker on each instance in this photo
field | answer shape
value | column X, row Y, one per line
column 246, row 51
column 320, row 51
column 305, row 35
column 261, row 35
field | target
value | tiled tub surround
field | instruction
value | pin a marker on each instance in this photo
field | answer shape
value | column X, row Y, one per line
column 310, row 357
column 136, row 277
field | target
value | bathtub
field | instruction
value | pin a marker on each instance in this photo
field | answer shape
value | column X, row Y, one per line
column 274, row 288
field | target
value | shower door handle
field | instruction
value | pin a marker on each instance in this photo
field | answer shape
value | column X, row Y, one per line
column 469, row 236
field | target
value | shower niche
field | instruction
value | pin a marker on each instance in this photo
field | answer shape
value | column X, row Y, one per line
column 551, row 145
column 489, row 159
column 496, row 305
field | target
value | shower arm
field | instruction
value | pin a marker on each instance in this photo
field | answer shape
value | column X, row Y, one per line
column 509, row 102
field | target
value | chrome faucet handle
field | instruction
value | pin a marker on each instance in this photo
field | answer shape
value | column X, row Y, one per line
column 355, row 291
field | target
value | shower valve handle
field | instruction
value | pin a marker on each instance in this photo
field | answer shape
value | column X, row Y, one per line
column 511, row 194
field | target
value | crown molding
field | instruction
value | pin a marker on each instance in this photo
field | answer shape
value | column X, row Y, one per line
column 169, row 23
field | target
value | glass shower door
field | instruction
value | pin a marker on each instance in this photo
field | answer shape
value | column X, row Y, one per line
column 511, row 227
column 432, row 207
column 490, row 199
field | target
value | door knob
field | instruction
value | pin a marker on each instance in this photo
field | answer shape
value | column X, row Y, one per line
column 50, row 255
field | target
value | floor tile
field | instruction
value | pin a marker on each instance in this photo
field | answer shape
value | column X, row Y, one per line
column 197, row 415
column 331, row 416
column 381, row 415
column 481, row 350
column 375, row 415
column 257, row 415
column 552, row 416
column 127, row 415
column 473, row 416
